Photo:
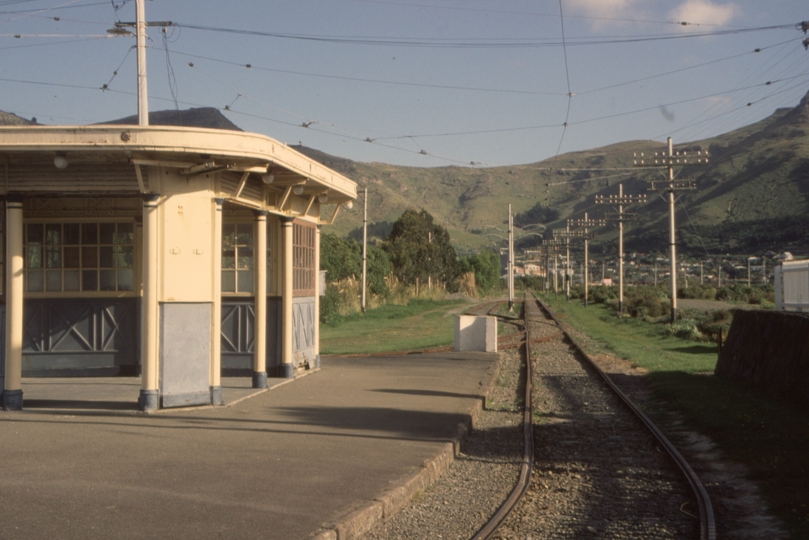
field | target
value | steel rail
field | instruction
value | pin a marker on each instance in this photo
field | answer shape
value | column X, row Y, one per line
column 524, row 480
column 707, row 524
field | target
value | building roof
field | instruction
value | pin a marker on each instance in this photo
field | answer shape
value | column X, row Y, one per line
column 191, row 150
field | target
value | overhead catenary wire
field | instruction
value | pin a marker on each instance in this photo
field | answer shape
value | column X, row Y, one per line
column 355, row 134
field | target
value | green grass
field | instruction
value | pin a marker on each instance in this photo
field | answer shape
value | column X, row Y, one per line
column 751, row 425
column 420, row 324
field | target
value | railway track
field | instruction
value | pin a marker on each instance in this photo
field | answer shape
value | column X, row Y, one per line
column 575, row 393
column 594, row 471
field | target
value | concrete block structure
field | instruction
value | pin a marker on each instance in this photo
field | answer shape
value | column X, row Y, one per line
column 177, row 254
column 473, row 333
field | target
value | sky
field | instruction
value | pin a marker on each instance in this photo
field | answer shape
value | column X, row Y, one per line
column 424, row 83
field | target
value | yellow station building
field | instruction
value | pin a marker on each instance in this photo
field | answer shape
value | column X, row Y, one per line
column 175, row 253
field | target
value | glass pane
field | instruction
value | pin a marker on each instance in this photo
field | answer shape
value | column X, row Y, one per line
column 228, row 281
column 34, row 233
column 89, row 257
column 245, row 235
column 71, row 257
column 71, row 232
column 34, row 280
column 89, row 280
column 125, row 234
column 245, row 278
column 125, row 257
column 229, row 258
column 126, row 280
column 71, row 280
column 53, row 234
column 89, row 233
column 107, row 233
column 228, row 236
column 53, row 281
column 245, row 258
column 107, row 280
column 107, row 257
column 53, row 257
column 33, row 257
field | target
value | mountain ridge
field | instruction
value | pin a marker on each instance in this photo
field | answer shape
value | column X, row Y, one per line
column 756, row 173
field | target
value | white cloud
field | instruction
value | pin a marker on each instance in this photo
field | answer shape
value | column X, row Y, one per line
column 704, row 12
column 602, row 8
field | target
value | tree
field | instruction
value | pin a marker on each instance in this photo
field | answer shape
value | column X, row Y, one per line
column 486, row 267
column 536, row 214
column 420, row 249
column 341, row 258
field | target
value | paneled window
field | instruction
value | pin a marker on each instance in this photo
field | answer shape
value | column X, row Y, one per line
column 303, row 259
column 238, row 274
column 73, row 257
column 3, row 250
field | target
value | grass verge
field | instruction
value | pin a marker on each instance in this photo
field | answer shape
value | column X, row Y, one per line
column 420, row 324
column 751, row 425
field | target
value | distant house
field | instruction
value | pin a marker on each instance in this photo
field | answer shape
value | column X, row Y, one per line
column 174, row 253
column 532, row 270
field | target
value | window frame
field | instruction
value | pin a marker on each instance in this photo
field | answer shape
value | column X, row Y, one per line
column 58, row 251
column 304, row 246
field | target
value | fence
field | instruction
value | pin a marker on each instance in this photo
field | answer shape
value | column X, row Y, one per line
column 792, row 286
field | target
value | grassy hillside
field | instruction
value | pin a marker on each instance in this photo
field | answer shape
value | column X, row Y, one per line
column 756, row 174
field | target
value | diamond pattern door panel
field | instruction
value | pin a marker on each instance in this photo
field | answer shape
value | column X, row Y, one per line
column 81, row 334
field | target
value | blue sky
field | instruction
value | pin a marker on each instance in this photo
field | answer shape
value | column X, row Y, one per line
column 418, row 82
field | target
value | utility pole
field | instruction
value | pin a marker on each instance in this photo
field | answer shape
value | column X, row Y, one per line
column 621, row 217
column 585, row 224
column 565, row 236
column 140, row 26
column 510, row 259
column 553, row 244
column 364, row 243
column 668, row 161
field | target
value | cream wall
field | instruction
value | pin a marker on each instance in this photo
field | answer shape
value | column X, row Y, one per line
column 186, row 239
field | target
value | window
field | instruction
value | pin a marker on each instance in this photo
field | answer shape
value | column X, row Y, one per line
column 237, row 258
column 3, row 249
column 72, row 257
column 303, row 259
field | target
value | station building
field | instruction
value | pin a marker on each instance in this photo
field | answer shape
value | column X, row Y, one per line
column 177, row 254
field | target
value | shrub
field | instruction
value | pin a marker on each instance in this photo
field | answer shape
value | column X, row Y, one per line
column 685, row 329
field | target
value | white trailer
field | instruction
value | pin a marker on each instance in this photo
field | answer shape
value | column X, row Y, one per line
column 792, row 286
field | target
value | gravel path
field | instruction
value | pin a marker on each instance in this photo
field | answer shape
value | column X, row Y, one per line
column 598, row 474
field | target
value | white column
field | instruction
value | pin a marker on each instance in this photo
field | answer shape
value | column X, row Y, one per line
column 216, row 323
column 317, row 297
column 149, row 393
column 260, row 258
column 286, row 300
column 12, row 386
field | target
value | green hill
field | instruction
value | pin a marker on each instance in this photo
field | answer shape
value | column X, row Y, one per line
column 753, row 197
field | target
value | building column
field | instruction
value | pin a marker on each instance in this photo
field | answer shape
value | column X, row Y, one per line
column 216, row 323
column 149, row 394
column 12, row 386
column 286, row 300
column 260, row 258
column 318, row 292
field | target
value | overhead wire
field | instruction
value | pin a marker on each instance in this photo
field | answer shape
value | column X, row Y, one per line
column 567, row 80
column 468, row 43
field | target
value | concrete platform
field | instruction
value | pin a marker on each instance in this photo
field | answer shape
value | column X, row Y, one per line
column 322, row 456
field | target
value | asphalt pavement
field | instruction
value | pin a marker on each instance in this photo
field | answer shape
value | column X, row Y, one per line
column 322, row 456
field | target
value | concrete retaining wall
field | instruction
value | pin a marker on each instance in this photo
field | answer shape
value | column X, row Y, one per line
column 769, row 348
